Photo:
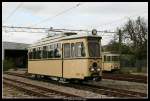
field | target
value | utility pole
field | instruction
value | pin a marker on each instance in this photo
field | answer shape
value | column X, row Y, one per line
column 120, row 44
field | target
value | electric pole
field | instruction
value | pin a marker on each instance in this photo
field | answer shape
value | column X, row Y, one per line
column 120, row 44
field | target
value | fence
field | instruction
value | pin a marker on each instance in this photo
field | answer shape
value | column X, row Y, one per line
column 130, row 63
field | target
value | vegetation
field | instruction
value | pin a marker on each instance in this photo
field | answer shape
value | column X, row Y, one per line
column 136, row 32
column 114, row 46
column 132, row 39
column 8, row 64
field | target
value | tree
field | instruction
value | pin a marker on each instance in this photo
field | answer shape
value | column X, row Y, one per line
column 136, row 31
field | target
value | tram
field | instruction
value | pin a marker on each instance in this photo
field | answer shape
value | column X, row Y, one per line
column 110, row 61
column 67, row 55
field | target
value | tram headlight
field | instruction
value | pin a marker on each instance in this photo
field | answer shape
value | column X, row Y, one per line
column 98, row 69
column 94, row 32
column 92, row 69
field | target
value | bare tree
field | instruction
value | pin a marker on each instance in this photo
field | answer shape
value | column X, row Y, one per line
column 137, row 32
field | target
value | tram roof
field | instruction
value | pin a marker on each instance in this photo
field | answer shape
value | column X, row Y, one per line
column 65, row 36
column 111, row 53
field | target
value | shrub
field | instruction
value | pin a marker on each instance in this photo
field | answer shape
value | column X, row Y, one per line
column 8, row 64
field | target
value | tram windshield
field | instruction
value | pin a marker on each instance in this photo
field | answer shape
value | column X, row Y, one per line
column 94, row 49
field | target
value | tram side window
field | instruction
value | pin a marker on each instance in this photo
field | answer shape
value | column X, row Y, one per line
column 34, row 53
column 115, row 58
column 50, row 54
column 39, row 54
column 66, row 50
column 30, row 55
column 108, row 58
column 80, row 50
column 55, row 46
column 72, row 49
column 50, row 47
column 59, row 45
column 104, row 57
column 51, row 51
column 57, row 53
column 44, row 51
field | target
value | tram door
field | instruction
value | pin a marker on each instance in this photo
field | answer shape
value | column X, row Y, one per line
column 62, row 58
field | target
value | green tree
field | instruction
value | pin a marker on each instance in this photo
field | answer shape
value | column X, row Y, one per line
column 135, row 32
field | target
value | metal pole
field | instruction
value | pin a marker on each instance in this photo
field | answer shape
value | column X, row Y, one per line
column 120, row 43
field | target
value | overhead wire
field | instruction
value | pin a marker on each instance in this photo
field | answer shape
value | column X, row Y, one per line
column 11, row 14
column 66, row 11
column 109, row 23
column 48, row 29
column 50, row 18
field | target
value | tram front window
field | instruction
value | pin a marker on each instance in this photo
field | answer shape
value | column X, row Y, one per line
column 94, row 49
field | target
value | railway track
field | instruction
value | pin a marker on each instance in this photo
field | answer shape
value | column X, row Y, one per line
column 37, row 90
column 97, row 89
column 126, row 77
column 110, row 91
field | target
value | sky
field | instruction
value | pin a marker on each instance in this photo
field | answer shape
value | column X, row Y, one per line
column 88, row 15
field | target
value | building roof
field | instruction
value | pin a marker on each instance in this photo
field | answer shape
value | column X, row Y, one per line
column 14, row 45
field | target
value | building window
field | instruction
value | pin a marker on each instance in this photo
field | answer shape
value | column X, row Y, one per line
column 66, row 50
column 80, row 49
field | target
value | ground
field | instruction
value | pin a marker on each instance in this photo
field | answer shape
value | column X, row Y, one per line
column 10, row 92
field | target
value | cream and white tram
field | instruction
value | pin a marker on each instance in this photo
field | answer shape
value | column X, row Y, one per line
column 68, row 55
column 110, row 61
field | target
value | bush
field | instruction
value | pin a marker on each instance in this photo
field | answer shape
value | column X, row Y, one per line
column 8, row 64
column 122, row 71
column 128, row 70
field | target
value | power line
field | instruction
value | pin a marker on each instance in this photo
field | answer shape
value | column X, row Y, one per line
column 13, row 12
column 43, row 30
column 121, row 19
column 50, row 18
column 9, row 29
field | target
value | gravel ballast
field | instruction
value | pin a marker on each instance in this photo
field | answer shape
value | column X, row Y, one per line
column 131, row 86
column 126, row 85
column 85, row 94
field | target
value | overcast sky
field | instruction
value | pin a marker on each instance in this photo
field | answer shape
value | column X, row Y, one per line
column 89, row 15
